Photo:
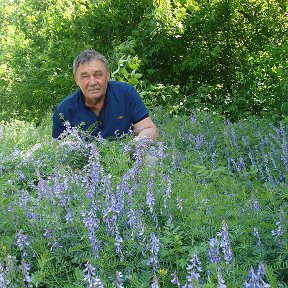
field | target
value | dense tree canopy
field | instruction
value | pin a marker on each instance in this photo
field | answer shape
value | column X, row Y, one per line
column 227, row 56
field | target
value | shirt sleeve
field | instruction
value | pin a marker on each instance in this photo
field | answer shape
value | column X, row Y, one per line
column 57, row 125
column 138, row 109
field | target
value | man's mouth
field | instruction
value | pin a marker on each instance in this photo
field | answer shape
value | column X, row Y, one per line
column 94, row 90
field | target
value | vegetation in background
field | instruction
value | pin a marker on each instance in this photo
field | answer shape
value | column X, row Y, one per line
column 224, row 56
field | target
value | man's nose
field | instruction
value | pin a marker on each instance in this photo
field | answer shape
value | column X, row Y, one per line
column 93, row 80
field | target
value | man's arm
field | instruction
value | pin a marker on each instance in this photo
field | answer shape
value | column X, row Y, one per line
column 146, row 128
column 57, row 125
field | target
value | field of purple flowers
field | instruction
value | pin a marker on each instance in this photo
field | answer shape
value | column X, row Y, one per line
column 206, row 206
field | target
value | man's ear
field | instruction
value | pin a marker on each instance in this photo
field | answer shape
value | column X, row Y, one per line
column 76, row 79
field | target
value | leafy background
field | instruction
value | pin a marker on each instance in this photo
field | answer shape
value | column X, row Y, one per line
column 225, row 56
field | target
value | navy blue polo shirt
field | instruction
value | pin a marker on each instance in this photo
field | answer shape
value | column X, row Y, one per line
column 123, row 107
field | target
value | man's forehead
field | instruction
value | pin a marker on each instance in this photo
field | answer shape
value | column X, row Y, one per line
column 93, row 65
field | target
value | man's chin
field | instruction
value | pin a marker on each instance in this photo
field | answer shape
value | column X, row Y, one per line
column 94, row 95
column 94, row 98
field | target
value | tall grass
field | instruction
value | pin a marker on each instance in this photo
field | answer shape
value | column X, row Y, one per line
column 203, row 207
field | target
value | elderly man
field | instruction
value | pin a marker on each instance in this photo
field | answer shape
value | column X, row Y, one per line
column 103, row 107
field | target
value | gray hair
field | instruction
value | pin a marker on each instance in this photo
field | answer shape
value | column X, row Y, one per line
column 89, row 55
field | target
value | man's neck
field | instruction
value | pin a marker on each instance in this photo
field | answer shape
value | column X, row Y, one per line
column 96, row 107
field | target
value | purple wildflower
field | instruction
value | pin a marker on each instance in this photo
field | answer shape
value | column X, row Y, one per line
column 256, row 280
column 173, row 163
column 154, row 249
column 129, row 184
column 150, row 200
column 93, row 172
column 221, row 282
column 43, row 188
column 179, row 203
column 206, row 205
column 141, row 147
column 213, row 157
column 116, row 133
column 93, row 281
column 234, row 138
column 194, row 270
column 118, row 241
column 242, row 163
column 120, row 196
column 22, row 242
column 2, row 275
column 254, row 205
column 278, row 232
column 91, row 222
column 23, row 199
column 111, row 214
column 274, row 164
column 155, row 281
column 68, row 217
column 119, row 280
column 265, row 159
column 167, row 195
column 256, row 234
column 48, row 234
column 225, row 244
column 284, row 146
column 175, row 280
column 7, row 272
column 235, row 164
column 160, row 153
column 75, row 135
column 199, row 141
column 25, row 272
column 170, row 219
column 136, row 224
column 213, row 250
column 256, row 165
column 250, row 153
column 193, row 118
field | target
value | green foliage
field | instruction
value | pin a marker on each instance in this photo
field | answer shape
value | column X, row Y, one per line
column 201, row 46
column 168, row 97
column 127, row 70
column 263, row 83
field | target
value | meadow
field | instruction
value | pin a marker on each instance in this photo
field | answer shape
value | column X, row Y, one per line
column 205, row 206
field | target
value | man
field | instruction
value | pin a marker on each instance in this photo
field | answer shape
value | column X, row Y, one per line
column 103, row 107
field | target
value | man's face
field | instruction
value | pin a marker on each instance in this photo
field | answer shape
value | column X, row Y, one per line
column 92, row 78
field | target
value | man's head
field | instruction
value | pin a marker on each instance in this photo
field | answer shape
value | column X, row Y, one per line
column 91, row 73
column 87, row 56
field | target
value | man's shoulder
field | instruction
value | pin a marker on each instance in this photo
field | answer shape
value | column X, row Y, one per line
column 119, row 91
column 114, row 84
column 70, row 100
